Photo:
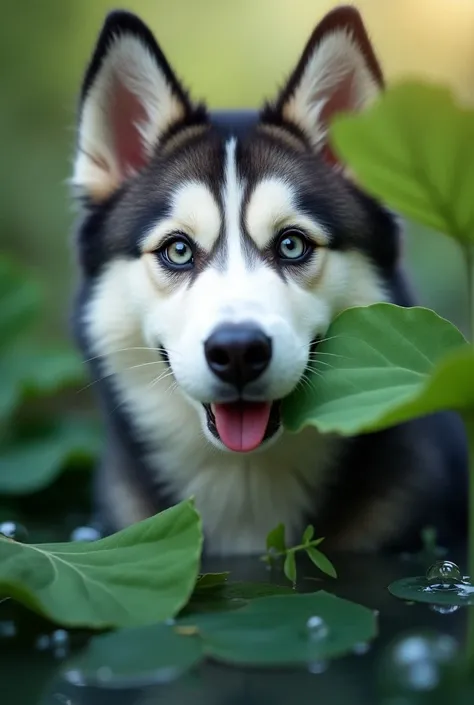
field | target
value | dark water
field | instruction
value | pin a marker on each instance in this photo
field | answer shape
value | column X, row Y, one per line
column 31, row 676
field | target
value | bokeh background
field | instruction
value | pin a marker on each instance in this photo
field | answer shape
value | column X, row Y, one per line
column 232, row 53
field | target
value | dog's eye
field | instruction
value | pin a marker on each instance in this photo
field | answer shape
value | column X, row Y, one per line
column 177, row 253
column 292, row 245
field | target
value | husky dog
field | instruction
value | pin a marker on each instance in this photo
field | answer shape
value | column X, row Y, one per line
column 215, row 248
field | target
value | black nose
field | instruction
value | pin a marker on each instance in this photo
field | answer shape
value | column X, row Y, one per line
column 238, row 353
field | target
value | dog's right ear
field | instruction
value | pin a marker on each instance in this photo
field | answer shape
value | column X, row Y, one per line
column 130, row 100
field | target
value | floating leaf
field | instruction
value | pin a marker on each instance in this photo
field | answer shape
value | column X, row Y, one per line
column 30, row 464
column 289, row 566
column 274, row 631
column 388, row 364
column 231, row 596
column 321, row 561
column 208, row 581
column 133, row 657
column 140, row 575
column 308, row 533
column 276, row 539
column 270, row 631
column 418, row 590
column 414, row 149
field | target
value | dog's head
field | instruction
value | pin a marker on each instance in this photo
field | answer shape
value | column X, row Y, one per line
column 226, row 243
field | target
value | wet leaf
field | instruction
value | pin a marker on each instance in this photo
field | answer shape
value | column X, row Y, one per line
column 414, row 149
column 321, row 561
column 143, row 574
column 133, row 657
column 273, row 631
column 388, row 365
column 30, row 464
column 417, row 590
column 268, row 632
column 289, row 566
column 276, row 539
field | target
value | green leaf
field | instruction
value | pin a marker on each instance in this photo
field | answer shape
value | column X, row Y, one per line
column 268, row 632
column 30, row 464
column 20, row 298
column 133, row 657
column 289, row 566
column 321, row 561
column 388, row 365
column 414, row 149
column 274, row 631
column 208, row 581
column 418, row 590
column 138, row 576
column 33, row 370
column 231, row 596
column 276, row 539
column 308, row 534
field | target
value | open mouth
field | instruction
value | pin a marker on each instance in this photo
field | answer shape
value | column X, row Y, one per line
column 242, row 426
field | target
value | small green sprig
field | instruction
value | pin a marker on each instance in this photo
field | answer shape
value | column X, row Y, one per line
column 278, row 550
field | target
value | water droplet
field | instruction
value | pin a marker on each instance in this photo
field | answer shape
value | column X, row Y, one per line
column 14, row 530
column 7, row 629
column 43, row 642
column 60, row 637
column 416, row 663
column 361, row 648
column 444, row 575
column 317, row 628
column 444, row 609
column 104, row 674
column 317, row 667
column 75, row 678
column 85, row 534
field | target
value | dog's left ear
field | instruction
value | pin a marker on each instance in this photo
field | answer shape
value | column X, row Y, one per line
column 337, row 72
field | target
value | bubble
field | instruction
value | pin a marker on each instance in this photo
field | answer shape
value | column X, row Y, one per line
column 7, row 629
column 316, row 628
column 444, row 575
column 60, row 637
column 418, row 662
column 43, row 642
column 14, row 530
column 361, row 648
column 317, row 667
column 85, row 534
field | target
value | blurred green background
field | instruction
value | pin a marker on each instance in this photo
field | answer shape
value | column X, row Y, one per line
column 229, row 53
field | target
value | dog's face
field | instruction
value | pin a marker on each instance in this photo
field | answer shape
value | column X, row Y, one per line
column 225, row 244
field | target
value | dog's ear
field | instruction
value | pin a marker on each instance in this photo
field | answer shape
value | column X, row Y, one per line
column 130, row 99
column 337, row 72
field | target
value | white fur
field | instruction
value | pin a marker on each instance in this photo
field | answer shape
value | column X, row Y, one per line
column 129, row 63
column 240, row 497
column 336, row 60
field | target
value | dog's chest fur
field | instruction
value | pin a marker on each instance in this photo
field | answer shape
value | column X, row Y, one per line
column 240, row 497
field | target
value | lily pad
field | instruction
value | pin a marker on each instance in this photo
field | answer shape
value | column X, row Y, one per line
column 291, row 630
column 414, row 149
column 388, row 364
column 417, row 590
column 140, row 575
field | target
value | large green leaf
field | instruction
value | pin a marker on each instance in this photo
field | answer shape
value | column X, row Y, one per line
column 20, row 299
column 290, row 630
column 138, row 576
column 383, row 364
column 34, row 370
column 30, row 464
column 414, row 149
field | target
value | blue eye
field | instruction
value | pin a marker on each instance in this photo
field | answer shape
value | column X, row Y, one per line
column 292, row 245
column 178, row 253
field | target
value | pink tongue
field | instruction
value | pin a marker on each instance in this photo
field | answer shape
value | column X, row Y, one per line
column 242, row 426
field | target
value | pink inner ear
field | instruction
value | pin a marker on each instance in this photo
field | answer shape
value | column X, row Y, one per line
column 340, row 100
column 126, row 111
